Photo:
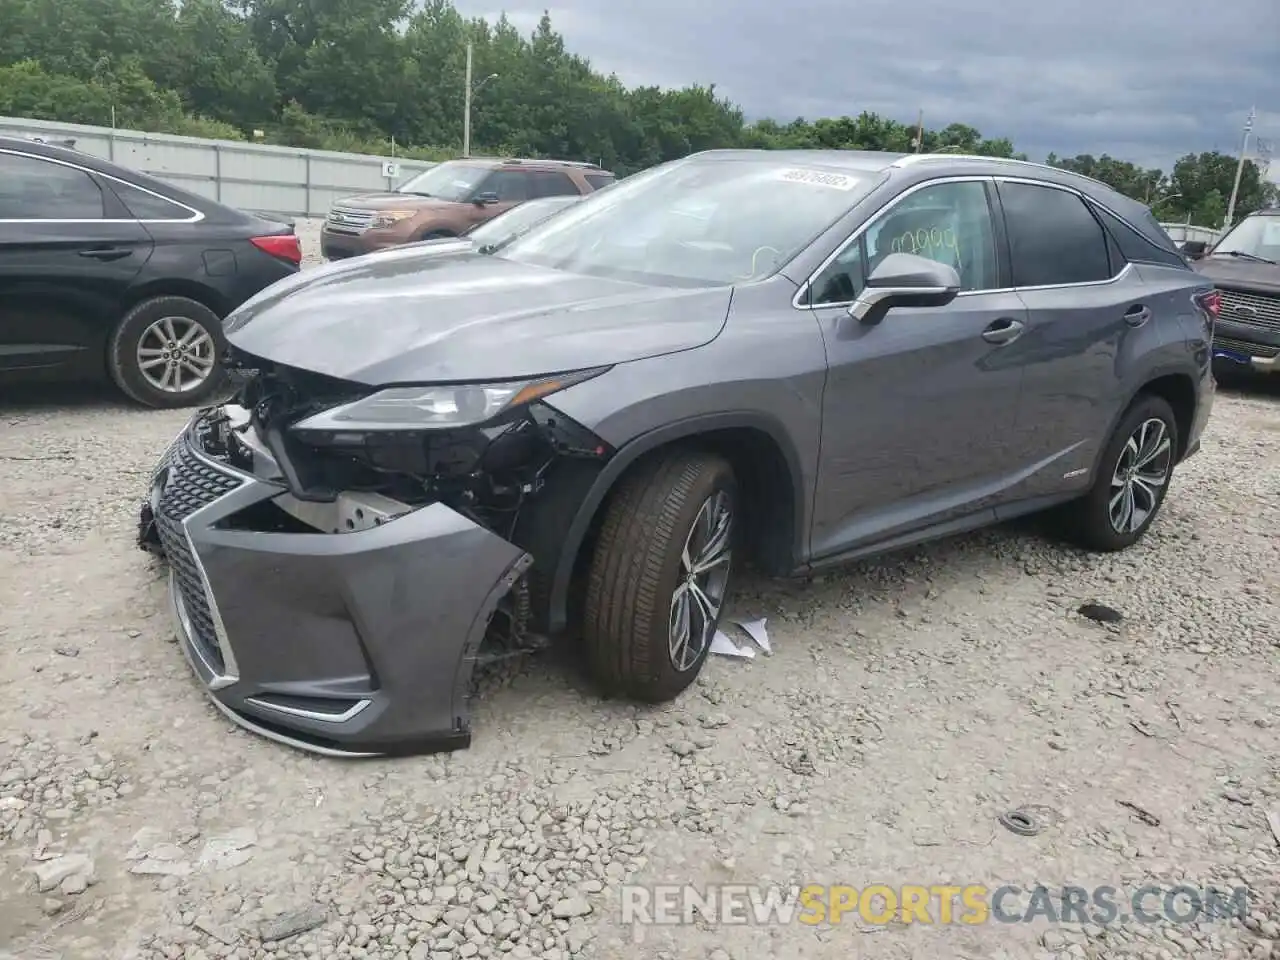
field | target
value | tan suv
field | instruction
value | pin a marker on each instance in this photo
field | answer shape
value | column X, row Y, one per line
column 448, row 200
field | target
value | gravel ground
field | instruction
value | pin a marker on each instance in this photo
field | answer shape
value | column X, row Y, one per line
column 907, row 704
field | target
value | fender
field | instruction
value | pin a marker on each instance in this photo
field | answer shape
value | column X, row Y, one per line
column 635, row 448
column 1164, row 370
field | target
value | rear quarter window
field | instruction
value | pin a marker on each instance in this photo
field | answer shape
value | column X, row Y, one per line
column 149, row 206
column 598, row 180
column 1134, row 246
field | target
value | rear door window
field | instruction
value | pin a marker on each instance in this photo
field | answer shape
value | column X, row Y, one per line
column 599, row 181
column 511, row 186
column 35, row 189
column 549, row 183
column 1053, row 238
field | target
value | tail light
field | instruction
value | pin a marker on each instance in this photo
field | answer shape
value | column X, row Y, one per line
column 1210, row 303
column 285, row 246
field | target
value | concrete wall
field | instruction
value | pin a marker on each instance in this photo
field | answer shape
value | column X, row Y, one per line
column 282, row 180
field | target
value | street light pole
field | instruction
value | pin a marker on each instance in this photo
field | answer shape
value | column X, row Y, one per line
column 466, row 117
column 1235, row 187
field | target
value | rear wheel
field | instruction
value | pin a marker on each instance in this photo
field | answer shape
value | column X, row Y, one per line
column 436, row 235
column 660, row 574
column 165, row 351
column 1133, row 479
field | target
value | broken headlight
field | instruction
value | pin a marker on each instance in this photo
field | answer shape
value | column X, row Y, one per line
column 439, row 406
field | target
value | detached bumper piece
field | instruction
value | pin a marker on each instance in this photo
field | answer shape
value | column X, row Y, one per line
column 351, row 644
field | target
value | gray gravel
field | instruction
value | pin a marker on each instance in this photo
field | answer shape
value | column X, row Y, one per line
column 908, row 703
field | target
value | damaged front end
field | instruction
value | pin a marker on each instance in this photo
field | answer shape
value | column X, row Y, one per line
column 344, row 557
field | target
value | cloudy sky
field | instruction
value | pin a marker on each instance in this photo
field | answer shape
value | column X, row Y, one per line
column 1146, row 80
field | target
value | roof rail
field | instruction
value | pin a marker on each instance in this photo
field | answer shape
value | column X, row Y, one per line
column 564, row 163
column 914, row 158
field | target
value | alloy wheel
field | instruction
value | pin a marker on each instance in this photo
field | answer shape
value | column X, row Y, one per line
column 176, row 354
column 702, row 581
column 1141, row 473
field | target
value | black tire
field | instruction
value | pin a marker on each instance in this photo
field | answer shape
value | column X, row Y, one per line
column 1088, row 521
column 636, row 568
column 437, row 235
column 122, row 352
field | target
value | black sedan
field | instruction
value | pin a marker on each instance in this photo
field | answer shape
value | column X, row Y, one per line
column 106, row 272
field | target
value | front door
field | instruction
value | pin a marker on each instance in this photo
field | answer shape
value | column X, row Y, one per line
column 918, row 409
column 68, row 252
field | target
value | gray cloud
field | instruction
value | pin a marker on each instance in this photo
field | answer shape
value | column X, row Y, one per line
column 1144, row 80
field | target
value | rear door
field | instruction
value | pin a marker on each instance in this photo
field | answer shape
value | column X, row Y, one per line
column 1087, row 308
column 68, row 252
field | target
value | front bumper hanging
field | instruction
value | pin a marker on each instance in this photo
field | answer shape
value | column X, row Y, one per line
column 359, row 643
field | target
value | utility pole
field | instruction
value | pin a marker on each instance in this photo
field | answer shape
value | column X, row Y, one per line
column 466, row 117
column 1244, row 149
column 919, row 131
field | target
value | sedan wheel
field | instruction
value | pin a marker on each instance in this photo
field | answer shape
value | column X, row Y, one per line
column 176, row 354
column 165, row 353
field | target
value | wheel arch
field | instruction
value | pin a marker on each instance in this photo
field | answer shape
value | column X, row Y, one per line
column 175, row 287
column 1176, row 387
column 767, row 466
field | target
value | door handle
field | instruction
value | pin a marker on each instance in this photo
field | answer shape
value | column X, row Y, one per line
column 1137, row 315
column 106, row 253
column 1004, row 330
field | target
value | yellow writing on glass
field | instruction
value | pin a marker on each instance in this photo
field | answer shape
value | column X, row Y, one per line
column 936, row 243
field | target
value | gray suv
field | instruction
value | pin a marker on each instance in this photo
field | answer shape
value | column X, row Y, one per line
column 790, row 359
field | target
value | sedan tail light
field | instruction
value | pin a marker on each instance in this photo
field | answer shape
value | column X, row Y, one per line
column 284, row 246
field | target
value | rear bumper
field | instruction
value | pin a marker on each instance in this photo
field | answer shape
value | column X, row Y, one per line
column 345, row 644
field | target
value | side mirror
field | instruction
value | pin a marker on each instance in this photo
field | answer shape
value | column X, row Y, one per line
column 905, row 280
column 1195, row 249
column 485, row 199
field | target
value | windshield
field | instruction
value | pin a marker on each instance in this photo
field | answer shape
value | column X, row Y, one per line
column 506, row 225
column 1255, row 237
column 693, row 222
column 453, row 181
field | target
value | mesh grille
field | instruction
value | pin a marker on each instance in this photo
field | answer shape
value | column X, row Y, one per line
column 192, row 484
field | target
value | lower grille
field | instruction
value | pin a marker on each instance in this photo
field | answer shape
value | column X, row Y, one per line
column 190, row 485
column 1245, row 348
column 1254, row 309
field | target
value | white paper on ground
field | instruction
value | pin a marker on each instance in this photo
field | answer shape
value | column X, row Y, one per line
column 722, row 645
column 756, row 631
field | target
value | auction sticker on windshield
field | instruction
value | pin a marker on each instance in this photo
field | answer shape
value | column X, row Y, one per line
column 819, row 178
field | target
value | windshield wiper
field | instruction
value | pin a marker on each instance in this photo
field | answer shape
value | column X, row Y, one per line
column 416, row 193
column 1243, row 256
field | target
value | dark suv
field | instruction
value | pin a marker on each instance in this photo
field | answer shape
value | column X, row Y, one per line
column 448, row 200
column 1245, row 267
column 799, row 358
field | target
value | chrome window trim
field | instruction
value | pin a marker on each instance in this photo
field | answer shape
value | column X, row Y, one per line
column 196, row 215
column 994, row 178
column 867, row 225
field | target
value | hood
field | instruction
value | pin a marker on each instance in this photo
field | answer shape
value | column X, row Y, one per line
column 391, row 201
column 418, row 315
column 1236, row 273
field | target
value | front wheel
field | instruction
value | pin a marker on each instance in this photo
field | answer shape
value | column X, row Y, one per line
column 1133, row 479
column 660, row 574
column 164, row 353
